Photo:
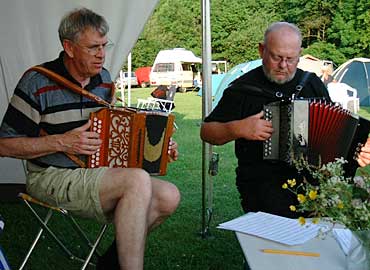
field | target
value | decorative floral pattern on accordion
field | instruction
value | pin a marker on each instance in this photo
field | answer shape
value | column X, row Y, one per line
column 119, row 141
column 132, row 139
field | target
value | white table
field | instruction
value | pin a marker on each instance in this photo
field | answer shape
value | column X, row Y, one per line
column 331, row 255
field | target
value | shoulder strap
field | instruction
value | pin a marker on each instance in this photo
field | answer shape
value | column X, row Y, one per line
column 301, row 84
column 70, row 85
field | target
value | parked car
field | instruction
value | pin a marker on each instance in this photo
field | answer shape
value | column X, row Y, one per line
column 125, row 76
column 142, row 74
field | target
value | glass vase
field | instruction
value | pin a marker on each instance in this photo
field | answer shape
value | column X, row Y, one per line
column 358, row 257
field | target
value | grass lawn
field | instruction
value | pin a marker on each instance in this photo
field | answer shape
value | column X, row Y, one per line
column 177, row 243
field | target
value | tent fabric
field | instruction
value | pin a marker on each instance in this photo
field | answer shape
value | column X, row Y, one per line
column 356, row 73
column 216, row 80
column 29, row 36
column 232, row 75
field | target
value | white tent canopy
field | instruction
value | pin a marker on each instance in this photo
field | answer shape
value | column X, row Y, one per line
column 29, row 36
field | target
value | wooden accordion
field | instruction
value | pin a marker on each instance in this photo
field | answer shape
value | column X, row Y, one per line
column 316, row 130
column 132, row 139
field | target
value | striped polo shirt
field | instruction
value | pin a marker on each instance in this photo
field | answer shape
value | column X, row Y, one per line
column 39, row 103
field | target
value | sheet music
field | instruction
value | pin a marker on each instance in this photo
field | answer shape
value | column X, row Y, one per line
column 276, row 228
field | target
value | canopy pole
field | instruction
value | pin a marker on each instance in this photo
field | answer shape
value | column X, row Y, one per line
column 207, row 185
column 129, row 80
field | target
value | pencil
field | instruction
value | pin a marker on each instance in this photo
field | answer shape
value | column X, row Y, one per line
column 291, row 252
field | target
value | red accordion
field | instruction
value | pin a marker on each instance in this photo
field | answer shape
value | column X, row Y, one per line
column 132, row 139
column 317, row 130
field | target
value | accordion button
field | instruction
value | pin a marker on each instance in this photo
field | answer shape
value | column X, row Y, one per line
column 95, row 124
column 97, row 153
column 97, row 159
column 100, row 121
column 99, row 130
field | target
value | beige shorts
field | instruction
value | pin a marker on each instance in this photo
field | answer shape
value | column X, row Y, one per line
column 75, row 190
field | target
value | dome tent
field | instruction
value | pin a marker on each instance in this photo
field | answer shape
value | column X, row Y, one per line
column 232, row 75
column 355, row 73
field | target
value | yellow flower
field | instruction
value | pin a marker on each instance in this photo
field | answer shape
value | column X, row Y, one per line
column 292, row 182
column 315, row 220
column 312, row 194
column 340, row 205
column 302, row 220
column 285, row 186
column 301, row 198
column 292, row 208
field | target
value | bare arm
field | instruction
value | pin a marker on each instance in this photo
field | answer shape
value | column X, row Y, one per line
column 250, row 128
column 76, row 141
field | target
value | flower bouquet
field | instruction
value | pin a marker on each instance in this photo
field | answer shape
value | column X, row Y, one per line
column 331, row 196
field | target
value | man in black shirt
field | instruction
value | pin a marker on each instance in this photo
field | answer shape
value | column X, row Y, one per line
column 238, row 116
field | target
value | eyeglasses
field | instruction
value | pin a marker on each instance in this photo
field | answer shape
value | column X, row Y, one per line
column 290, row 61
column 95, row 49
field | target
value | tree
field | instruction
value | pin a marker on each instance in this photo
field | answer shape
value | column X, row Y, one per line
column 331, row 29
column 325, row 51
column 349, row 30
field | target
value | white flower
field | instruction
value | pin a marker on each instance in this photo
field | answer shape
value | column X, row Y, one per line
column 359, row 181
column 357, row 203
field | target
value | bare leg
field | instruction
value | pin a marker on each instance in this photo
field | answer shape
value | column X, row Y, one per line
column 138, row 204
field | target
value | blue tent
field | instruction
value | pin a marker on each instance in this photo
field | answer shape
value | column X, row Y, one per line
column 216, row 80
column 356, row 73
column 233, row 74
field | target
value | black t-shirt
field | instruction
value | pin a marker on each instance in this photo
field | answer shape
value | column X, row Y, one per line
column 242, row 99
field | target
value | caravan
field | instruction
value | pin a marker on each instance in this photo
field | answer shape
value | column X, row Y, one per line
column 176, row 67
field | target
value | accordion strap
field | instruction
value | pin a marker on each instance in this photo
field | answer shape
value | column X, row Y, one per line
column 70, row 85
column 301, row 84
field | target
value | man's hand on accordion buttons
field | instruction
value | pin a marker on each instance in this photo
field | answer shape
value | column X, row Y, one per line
column 173, row 153
column 256, row 128
column 80, row 141
column 364, row 156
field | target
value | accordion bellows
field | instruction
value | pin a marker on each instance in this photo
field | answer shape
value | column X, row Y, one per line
column 132, row 139
column 315, row 130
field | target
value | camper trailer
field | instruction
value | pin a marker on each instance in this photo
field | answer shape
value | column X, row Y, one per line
column 176, row 67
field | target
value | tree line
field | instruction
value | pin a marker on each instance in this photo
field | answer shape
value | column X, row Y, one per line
column 335, row 30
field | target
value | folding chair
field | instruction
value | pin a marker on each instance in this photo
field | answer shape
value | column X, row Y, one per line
column 30, row 202
column 149, row 103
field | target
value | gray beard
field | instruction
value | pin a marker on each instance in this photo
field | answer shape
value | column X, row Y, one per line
column 280, row 82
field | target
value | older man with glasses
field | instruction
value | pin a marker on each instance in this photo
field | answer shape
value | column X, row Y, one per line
column 239, row 116
column 129, row 197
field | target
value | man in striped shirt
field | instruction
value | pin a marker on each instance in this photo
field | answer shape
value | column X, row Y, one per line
column 129, row 197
